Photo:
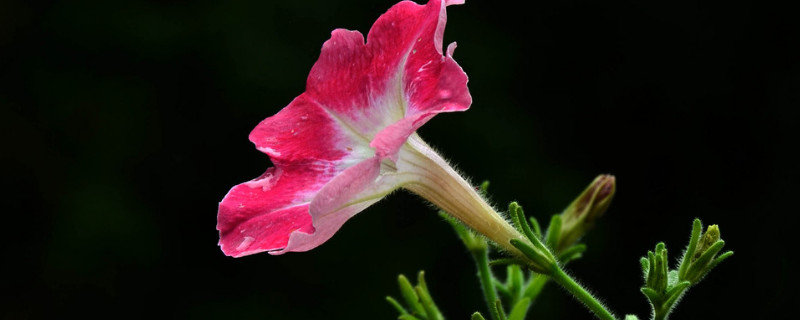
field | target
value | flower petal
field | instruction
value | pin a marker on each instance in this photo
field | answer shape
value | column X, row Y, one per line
column 259, row 215
column 304, row 132
column 347, row 194
column 308, row 147
column 400, row 74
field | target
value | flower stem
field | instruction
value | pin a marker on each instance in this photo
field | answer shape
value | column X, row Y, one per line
column 481, row 257
column 560, row 277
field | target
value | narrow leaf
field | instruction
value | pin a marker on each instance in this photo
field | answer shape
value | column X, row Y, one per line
column 652, row 295
column 677, row 289
column 499, row 311
column 396, row 305
column 702, row 263
column 719, row 259
column 697, row 228
column 410, row 295
column 572, row 253
column 431, row 310
column 504, row 261
column 645, row 267
column 515, row 218
column 529, row 252
column 535, row 226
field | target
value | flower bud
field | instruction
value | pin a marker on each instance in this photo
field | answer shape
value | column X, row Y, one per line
column 702, row 255
column 711, row 236
column 581, row 214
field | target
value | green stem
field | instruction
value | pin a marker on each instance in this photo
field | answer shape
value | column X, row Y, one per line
column 535, row 286
column 581, row 294
column 485, row 275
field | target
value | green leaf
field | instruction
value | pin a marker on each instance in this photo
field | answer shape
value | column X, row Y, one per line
column 407, row 317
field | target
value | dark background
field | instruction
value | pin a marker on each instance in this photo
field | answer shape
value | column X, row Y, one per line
column 124, row 123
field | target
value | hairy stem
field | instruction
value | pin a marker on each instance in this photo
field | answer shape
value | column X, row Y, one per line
column 581, row 294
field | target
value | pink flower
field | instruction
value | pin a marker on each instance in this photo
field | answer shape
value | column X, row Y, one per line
column 349, row 139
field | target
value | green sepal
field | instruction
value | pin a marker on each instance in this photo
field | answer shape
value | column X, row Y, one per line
column 515, row 282
column 651, row 276
column 677, row 289
column 500, row 313
column 410, row 295
column 431, row 310
column 652, row 295
column 539, row 265
column 520, row 310
column 697, row 228
column 518, row 215
column 515, row 218
column 535, row 226
column 645, row 267
column 572, row 253
column 706, row 256
column 504, row 261
column 719, row 259
column 484, row 187
column 477, row 316
column 407, row 317
column 672, row 279
column 631, row 317
column 554, row 231
column 396, row 305
column 502, row 289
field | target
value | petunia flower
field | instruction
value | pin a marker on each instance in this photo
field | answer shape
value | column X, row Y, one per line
column 349, row 139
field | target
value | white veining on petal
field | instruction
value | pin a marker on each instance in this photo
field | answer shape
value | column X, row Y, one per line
column 268, row 150
column 266, row 181
column 422, row 68
column 245, row 243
